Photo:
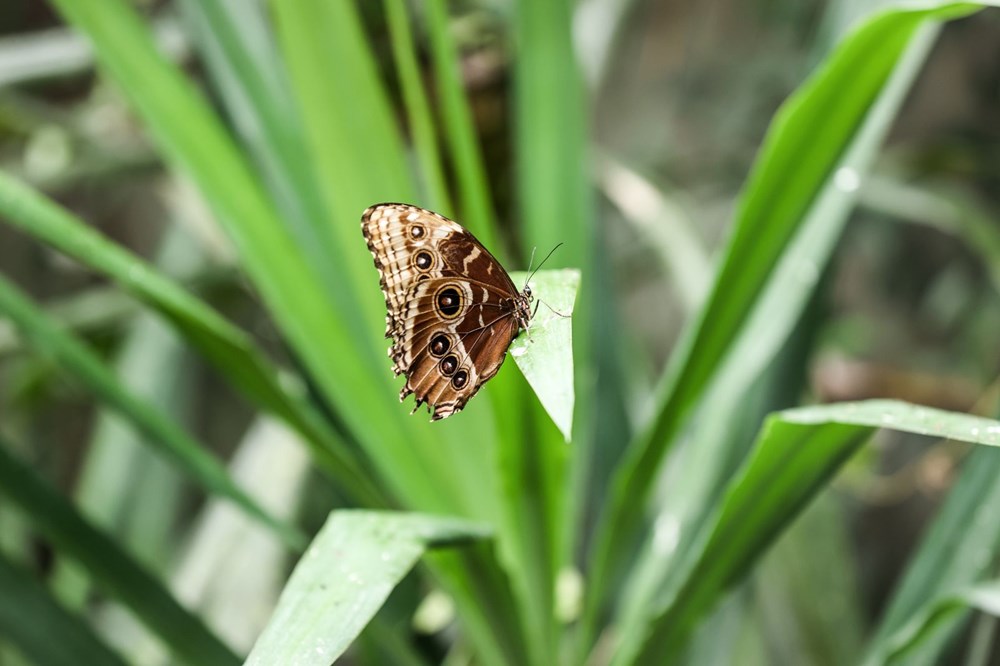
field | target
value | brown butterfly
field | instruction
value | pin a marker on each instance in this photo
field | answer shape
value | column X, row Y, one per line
column 452, row 309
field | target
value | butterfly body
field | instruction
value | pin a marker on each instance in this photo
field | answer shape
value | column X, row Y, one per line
column 452, row 310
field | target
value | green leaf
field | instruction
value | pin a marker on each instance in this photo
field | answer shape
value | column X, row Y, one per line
column 344, row 578
column 221, row 343
column 318, row 325
column 418, row 110
column 459, row 130
column 795, row 455
column 181, row 448
column 30, row 619
column 959, row 549
column 238, row 46
column 787, row 221
column 550, row 109
column 544, row 352
column 113, row 569
column 354, row 145
column 984, row 597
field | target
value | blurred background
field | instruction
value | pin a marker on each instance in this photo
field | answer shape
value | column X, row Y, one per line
column 682, row 94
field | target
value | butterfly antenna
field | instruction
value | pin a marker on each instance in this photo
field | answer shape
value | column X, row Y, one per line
column 531, row 260
column 541, row 264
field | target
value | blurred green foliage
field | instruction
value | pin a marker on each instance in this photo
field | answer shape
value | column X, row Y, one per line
column 205, row 163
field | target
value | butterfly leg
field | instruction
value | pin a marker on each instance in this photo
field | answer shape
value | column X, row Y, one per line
column 553, row 310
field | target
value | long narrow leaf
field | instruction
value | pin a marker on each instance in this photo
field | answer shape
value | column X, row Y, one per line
column 221, row 343
column 786, row 201
column 795, row 455
column 459, row 130
column 354, row 145
column 30, row 618
column 344, row 578
column 239, row 48
column 194, row 140
column 418, row 110
column 959, row 550
column 188, row 454
column 112, row 568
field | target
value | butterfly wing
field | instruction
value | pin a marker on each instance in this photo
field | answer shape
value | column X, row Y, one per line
column 449, row 304
column 448, row 359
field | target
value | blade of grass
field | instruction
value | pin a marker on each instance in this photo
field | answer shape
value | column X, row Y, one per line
column 551, row 161
column 112, row 568
column 86, row 311
column 418, row 109
column 353, row 141
column 357, row 153
column 553, row 206
column 30, row 618
column 118, row 472
column 959, row 550
column 190, row 457
column 792, row 197
column 796, row 454
column 983, row 597
column 344, row 578
column 228, row 348
column 238, row 46
column 715, row 448
column 459, row 129
column 336, row 85
column 194, row 140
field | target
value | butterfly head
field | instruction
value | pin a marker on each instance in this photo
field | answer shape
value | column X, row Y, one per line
column 522, row 307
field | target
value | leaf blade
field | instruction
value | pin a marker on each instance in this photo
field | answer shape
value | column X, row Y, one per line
column 183, row 450
column 114, row 569
column 796, row 453
column 319, row 614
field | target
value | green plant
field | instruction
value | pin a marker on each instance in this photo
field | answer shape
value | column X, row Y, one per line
column 313, row 142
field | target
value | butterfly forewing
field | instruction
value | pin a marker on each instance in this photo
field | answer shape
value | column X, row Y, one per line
column 452, row 310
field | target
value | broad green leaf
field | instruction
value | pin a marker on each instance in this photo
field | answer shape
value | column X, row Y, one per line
column 544, row 353
column 344, row 578
column 796, row 453
column 181, row 448
column 983, row 597
column 113, row 569
column 44, row 631
column 787, row 220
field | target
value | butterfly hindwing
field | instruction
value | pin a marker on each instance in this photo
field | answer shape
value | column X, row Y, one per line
column 452, row 310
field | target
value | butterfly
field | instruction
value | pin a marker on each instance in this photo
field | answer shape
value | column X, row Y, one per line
column 452, row 309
